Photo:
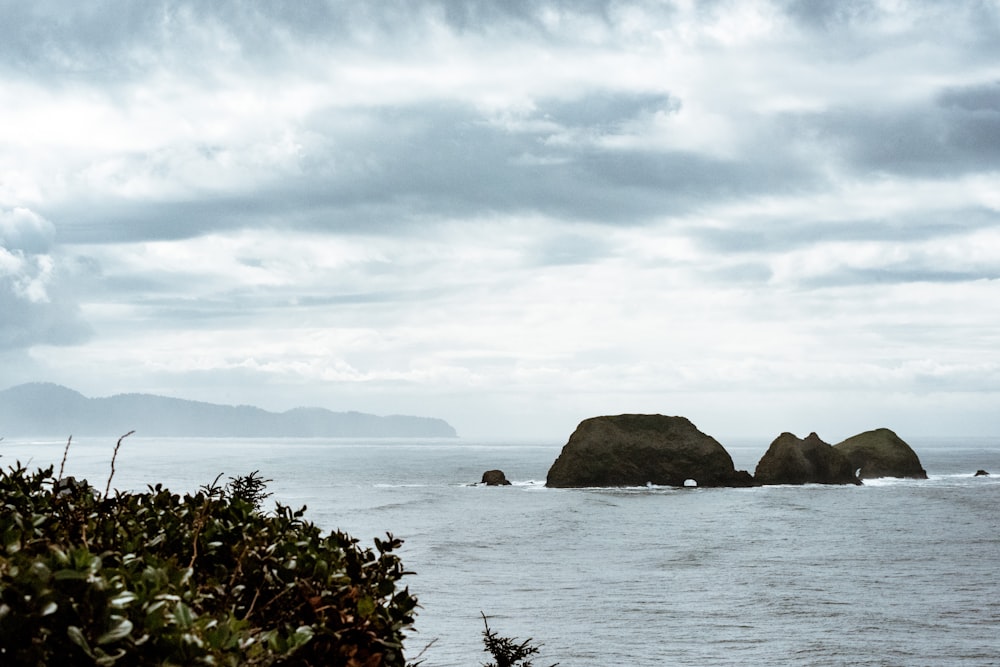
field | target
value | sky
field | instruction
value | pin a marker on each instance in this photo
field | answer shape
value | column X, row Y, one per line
column 514, row 215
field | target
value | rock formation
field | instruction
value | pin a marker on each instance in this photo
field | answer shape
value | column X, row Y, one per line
column 881, row 453
column 495, row 478
column 635, row 450
column 790, row 460
column 981, row 473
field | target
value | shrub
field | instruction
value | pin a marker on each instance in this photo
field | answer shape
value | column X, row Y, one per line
column 249, row 488
column 154, row 578
column 506, row 651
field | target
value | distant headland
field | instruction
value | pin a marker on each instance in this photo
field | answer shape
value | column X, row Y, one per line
column 45, row 409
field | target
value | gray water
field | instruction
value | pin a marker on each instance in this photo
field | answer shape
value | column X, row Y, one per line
column 896, row 572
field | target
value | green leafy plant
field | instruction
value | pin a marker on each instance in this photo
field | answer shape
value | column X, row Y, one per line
column 506, row 651
column 250, row 488
column 155, row 578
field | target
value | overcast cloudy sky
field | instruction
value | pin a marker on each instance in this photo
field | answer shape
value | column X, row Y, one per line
column 764, row 216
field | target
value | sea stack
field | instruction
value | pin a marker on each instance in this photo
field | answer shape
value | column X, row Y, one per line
column 790, row 460
column 881, row 453
column 495, row 478
column 636, row 450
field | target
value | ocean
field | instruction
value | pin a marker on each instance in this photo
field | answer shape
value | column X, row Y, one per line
column 895, row 572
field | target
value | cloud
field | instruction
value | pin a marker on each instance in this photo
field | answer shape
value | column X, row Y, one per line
column 24, row 230
column 533, row 206
column 828, row 16
column 310, row 138
column 400, row 167
column 933, row 141
column 327, row 129
column 34, row 305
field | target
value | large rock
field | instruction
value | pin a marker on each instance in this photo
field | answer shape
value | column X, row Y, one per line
column 790, row 460
column 495, row 478
column 634, row 450
column 881, row 453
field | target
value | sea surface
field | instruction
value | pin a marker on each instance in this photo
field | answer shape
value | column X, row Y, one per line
column 895, row 572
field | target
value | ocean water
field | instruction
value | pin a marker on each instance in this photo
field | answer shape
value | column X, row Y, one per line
column 896, row 572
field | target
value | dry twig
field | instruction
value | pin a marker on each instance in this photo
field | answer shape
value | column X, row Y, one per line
column 65, row 453
column 113, row 457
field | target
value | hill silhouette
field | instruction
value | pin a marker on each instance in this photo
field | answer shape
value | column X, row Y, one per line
column 45, row 409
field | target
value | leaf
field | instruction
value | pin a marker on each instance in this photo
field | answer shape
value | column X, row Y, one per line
column 184, row 615
column 123, row 599
column 106, row 660
column 13, row 546
column 301, row 637
column 120, row 631
column 366, row 606
column 75, row 635
column 70, row 574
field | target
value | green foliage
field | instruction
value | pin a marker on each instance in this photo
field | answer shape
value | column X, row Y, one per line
column 506, row 651
column 249, row 488
column 158, row 579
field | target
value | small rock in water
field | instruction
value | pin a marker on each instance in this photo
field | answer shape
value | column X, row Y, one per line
column 495, row 478
column 981, row 473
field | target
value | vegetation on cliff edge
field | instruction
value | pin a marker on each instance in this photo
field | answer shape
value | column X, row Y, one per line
column 155, row 578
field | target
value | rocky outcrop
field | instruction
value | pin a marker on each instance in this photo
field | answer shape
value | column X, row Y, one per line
column 635, row 450
column 881, row 453
column 981, row 473
column 495, row 478
column 790, row 460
